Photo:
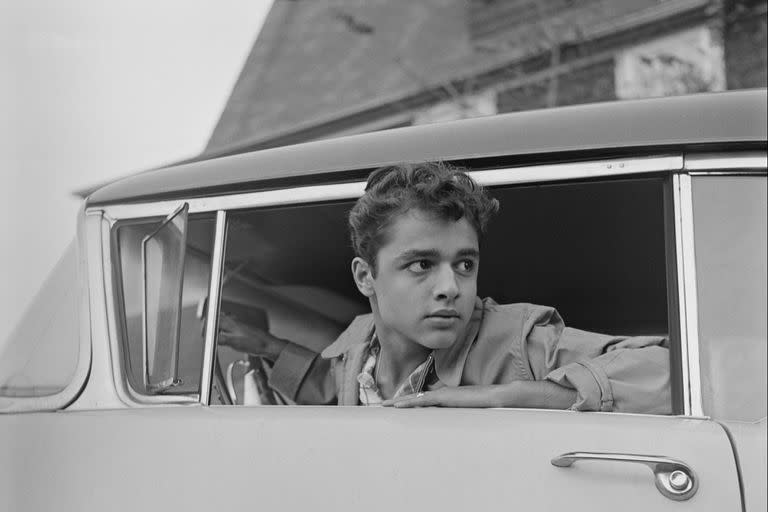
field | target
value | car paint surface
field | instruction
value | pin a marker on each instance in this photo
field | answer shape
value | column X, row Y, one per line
column 699, row 120
column 751, row 450
column 284, row 458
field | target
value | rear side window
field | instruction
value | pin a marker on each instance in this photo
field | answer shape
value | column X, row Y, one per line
column 729, row 215
column 40, row 357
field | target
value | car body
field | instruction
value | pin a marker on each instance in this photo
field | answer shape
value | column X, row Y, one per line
column 636, row 217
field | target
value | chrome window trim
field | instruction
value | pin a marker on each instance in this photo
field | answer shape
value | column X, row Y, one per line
column 576, row 170
column 727, row 162
column 683, row 242
column 240, row 201
column 686, row 289
column 212, row 314
column 69, row 394
column 305, row 194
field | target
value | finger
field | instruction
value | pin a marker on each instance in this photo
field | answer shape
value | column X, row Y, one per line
column 422, row 399
column 225, row 340
column 226, row 322
column 426, row 399
column 226, row 334
column 466, row 396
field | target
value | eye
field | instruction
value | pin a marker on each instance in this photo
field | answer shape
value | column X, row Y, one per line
column 466, row 266
column 420, row 266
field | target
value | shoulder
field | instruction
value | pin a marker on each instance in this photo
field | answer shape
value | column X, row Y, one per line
column 358, row 332
column 518, row 317
column 498, row 349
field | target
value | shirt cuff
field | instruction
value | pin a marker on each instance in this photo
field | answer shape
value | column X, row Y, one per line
column 590, row 382
column 290, row 368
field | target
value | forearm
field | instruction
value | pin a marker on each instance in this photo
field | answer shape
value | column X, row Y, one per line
column 533, row 394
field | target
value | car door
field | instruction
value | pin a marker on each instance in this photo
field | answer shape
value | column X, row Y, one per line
column 298, row 458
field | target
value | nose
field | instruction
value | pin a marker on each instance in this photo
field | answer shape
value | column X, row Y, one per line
column 446, row 285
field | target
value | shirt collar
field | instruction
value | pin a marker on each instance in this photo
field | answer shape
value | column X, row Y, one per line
column 449, row 362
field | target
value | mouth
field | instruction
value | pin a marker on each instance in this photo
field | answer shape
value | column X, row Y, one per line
column 444, row 313
column 444, row 317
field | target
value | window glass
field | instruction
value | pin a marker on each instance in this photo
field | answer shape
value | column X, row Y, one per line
column 729, row 216
column 40, row 356
column 194, row 290
column 163, row 254
column 595, row 251
column 286, row 274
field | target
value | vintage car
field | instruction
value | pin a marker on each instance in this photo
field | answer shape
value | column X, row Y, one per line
column 634, row 217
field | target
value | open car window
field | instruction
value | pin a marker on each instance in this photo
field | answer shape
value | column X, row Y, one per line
column 594, row 250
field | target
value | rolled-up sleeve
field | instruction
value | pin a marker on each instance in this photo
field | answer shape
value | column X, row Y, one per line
column 609, row 373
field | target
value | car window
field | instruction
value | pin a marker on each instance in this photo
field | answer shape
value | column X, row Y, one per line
column 596, row 251
column 163, row 301
column 729, row 215
column 41, row 354
column 286, row 272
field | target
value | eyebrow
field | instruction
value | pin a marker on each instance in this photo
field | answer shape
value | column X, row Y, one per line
column 412, row 254
column 469, row 253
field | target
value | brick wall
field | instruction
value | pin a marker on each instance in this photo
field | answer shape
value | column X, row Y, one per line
column 527, row 97
column 745, row 44
column 587, row 85
column 534, row 23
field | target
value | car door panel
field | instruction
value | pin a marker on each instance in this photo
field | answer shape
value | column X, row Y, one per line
column 300, row 458
column 749, row 440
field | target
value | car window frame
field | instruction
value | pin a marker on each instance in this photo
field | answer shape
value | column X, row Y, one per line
column 118, row 340
column 115, row 306
column 670, row 164
column 721, row 163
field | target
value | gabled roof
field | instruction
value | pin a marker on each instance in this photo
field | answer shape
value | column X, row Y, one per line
column 320, row 60
column 314, row 58
column 676, row 122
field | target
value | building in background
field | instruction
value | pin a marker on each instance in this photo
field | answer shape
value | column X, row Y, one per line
column 327, row 68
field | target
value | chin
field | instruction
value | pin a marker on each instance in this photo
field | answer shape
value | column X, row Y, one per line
column 437, row 341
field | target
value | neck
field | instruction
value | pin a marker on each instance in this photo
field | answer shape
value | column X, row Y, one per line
column 397, row 359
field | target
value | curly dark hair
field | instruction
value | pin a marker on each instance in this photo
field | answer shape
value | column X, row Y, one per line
column 434, row 187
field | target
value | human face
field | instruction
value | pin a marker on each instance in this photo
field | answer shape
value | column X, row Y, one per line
column 426, row 281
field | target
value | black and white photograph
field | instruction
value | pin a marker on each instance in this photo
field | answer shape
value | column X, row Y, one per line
column 382, row 255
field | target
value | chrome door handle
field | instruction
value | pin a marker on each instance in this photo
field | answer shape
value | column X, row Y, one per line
column 674, row 479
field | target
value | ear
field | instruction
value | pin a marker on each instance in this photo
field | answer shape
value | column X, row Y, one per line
column 363, row 276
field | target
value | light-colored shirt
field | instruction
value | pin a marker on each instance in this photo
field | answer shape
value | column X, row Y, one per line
column 368, row 387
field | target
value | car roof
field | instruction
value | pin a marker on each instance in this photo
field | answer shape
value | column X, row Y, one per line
column 672, row 122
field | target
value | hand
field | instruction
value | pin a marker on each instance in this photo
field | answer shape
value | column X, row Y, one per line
column 463, row 396
column 535, row 394
column 249, row 339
